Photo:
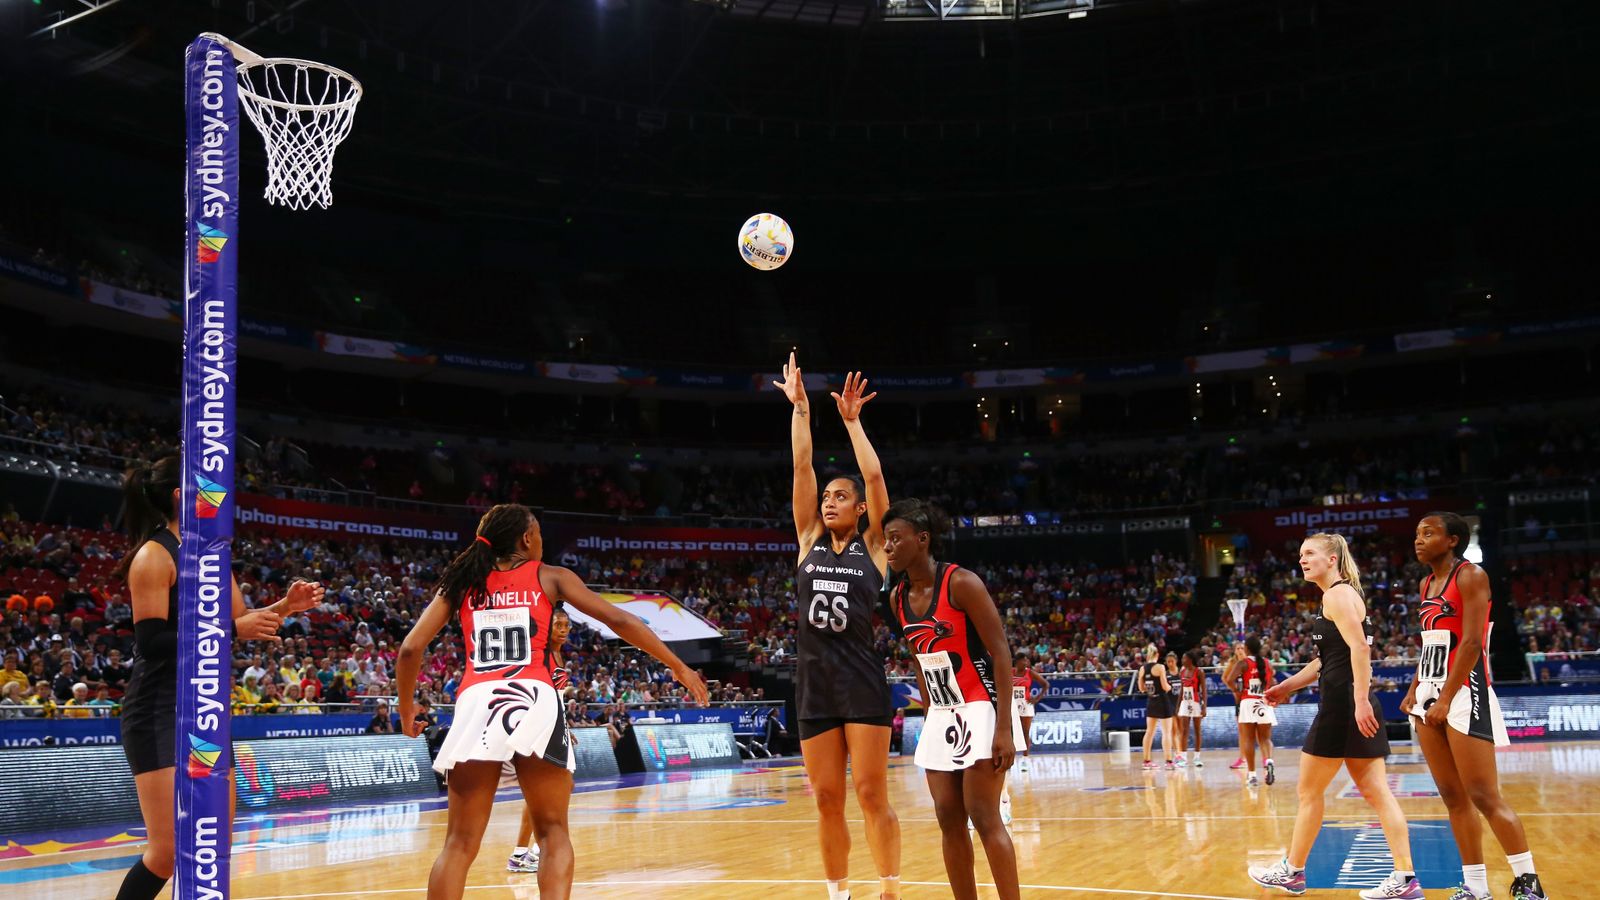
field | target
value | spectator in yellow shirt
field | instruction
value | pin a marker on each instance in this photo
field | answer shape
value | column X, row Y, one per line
column 43, row 699
column 11, row 673
column 245, row 697
column 78, row 706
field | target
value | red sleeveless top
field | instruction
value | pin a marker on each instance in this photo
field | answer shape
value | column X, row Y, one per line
column 1444, row 613
column 507, row 631
column 943, row 629
column 1255, row 681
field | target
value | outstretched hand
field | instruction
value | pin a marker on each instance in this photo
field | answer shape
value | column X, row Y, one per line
column 851, row 401
column 792, row 385
column 303, row 595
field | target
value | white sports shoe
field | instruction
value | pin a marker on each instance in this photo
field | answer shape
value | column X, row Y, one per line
column 1395, row 886
column 528, row 862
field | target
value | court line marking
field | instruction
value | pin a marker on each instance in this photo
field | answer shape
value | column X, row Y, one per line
column 695, row 881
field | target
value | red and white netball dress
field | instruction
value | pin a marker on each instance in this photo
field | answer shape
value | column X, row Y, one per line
column 959, row 729
column 1253, row 708
column 508, row 704
column 1475, row 710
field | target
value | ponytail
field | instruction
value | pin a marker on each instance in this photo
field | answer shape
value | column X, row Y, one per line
column 147, row 503
column 1252, row 644
column 1334, row 544
column 499, row 531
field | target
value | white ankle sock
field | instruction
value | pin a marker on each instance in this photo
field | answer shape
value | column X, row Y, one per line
column 519, row 851
column 1477, row 878
column 1521, row 864
column 839, row 890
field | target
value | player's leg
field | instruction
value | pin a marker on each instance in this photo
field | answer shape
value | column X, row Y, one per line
column 1289, row 873
column 1247, row 745
column 547, row 790
column 1149, row 739
column 1264, row 741
column 525, row 855
column 1465, row 825
column 980, row 788
column 950, row 809
column 825, row 755
column 869, row 769
column 471, row 786
column 1475, row 763
column 1372, row 778
column 154, row 867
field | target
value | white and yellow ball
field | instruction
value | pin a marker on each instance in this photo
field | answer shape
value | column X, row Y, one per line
column 766, row 241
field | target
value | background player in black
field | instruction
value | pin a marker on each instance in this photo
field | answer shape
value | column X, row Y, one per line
column 845, row 709
column 149, row 706
column 1348, row 730
column 1463, row 766
column 1151, row 680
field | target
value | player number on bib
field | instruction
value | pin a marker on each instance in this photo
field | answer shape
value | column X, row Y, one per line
column 829, row 612
column 502, row 637
column 1434, row 664
column 940, row 675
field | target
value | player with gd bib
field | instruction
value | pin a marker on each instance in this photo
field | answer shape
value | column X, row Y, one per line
column 842, row 695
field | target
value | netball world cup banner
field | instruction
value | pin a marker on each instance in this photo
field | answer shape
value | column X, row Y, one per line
column 210, row 351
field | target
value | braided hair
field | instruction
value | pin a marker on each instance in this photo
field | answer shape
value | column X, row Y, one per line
column 499, row 532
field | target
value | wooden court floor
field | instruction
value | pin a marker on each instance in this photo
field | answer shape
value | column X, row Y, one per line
column 1085, row 825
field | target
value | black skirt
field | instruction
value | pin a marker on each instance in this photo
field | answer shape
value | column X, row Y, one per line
column 1159, row 707
column 149, row 717
column 1334, row 733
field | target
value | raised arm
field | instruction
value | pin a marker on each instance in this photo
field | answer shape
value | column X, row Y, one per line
column 570, row 588
column 850, row 403
column 968, row 592
column 806, row 516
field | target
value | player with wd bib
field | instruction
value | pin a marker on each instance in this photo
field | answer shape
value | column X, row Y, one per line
column 842, row 695
column 969, row 738
column 1458, row 716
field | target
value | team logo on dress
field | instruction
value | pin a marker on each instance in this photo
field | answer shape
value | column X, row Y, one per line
column 810, row 567
column 209, row 497
column 923, row 635
column 211, row 242
column 855, row 549
column 203, row 756
column 959, row 737
column 511, row 702
column 1434, row 609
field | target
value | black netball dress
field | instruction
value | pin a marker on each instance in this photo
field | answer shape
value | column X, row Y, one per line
column 840, row 677
column 1158, row 704
column 150, row 703
column 1334, row 734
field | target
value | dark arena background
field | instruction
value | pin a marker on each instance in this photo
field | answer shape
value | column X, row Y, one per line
column 1150, row 291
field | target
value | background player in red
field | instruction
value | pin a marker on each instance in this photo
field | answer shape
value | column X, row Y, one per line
column 968, row 740
column 525, row 855
column 1249, row 675
column 508, row 707
column 842, row 696
column 1191, row 707
column 1458, row 716
column 1026, row 689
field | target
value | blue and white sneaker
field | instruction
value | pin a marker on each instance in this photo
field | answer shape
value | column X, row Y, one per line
column 527, row 862
column 1272, row 772
column 1278, row 876
column 1395, row 887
